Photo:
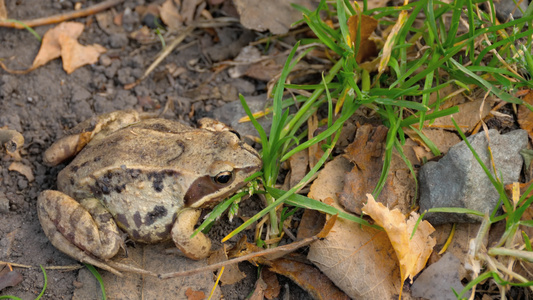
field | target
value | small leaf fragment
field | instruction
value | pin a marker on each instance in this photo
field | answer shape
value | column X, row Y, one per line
column 9, row 278
column 525, row 115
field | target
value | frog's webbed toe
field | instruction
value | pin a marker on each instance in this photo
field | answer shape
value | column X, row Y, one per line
column 197, row 247
column 86, row 231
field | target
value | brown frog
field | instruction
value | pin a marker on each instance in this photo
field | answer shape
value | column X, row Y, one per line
column 150, row 177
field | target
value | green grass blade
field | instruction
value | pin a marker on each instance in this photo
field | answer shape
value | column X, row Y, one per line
column 497, row 92
column 309, row 203
column 28, row 28
column 98, row 278
column 44, row 285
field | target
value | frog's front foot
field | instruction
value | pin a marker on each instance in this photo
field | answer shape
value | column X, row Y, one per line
column 85, row 231
column 197, row 247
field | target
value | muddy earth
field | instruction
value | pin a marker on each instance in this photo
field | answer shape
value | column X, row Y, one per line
column 46, row 102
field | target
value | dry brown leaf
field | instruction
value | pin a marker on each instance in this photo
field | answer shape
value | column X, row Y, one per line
column 170, row 15
column 8, row 277
column 231, row 273
column 311, row 224
column 188, row 8
column 22, row 169
column 366, row 152
column 272, row 284
column 367, row 48
column 298, row 163
column 50, row 47
column 194, row 295
column 75, row 55
column 309, row 278
column 412, row 253
column 442, row 139
column 467, row 117
column 360, row 260
column 275, row 15
column 525, row 116
column 259, row 290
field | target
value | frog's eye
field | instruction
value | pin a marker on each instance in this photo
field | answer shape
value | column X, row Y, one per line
column 236, row 133
column 223, row 177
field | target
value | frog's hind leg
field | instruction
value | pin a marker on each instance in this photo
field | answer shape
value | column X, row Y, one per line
column 85, row 231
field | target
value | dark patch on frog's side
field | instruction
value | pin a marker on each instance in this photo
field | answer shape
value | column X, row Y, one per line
column 137, row 219
column 134, row 173
column 157, row 183
column 158, row 212
column 120, row 187
column 135, row 235
column 116, row 180
column 166, row 234
column 154, row 236
column 122, row 221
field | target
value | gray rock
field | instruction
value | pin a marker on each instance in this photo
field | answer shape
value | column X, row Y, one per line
column 458, row 180
column 506, row 8
column 231, row 112
column 437, row 281
column 4, row 203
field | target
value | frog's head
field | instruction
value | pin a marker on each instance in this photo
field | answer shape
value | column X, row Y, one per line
column 227, row 162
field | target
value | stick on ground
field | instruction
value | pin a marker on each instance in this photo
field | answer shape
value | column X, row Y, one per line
column 62, row 17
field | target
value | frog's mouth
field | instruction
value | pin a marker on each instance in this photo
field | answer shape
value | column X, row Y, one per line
column 205, row 192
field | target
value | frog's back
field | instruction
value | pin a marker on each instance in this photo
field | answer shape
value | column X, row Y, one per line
column 149, row 146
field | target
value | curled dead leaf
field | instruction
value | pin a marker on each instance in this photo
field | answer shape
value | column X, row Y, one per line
column 22, row 169
column 412, row 252
column 12, row 141
column 350, row 250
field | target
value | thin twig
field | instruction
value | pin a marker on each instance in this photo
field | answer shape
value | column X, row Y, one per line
column 63, row 268
column 62, row 17
column 170, row 47
column 281, row 249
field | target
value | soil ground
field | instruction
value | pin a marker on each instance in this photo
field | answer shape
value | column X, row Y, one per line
column 43, row 104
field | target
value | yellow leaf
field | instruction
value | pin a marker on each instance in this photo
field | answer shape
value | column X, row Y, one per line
column 389, row 43
column 412, row 253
